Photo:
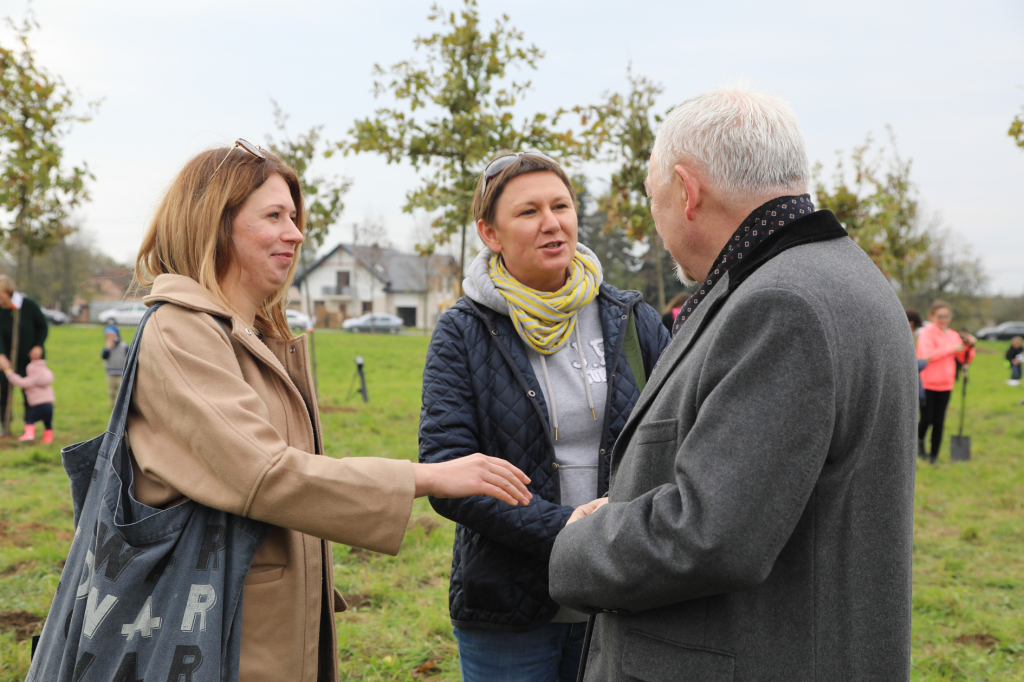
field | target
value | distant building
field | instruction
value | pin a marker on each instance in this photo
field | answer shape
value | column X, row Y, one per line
column 109, row 288
column 349, row 281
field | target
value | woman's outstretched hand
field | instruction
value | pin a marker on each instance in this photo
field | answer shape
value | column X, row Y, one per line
column 475, row 474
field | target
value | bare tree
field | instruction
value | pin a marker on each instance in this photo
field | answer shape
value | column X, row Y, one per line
column 371, row 244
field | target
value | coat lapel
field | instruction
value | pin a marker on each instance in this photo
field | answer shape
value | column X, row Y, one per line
column 672, row 356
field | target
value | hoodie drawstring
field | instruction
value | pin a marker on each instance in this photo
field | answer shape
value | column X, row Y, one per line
column 551, row 395
column 583, row 370
column 586, row 382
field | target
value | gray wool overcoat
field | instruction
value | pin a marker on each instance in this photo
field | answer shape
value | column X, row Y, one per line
column 760, row 515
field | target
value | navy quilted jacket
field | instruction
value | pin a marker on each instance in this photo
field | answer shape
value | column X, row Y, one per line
column 480, row 394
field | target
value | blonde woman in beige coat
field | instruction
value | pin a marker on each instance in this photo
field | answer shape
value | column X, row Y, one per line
column 224, row 413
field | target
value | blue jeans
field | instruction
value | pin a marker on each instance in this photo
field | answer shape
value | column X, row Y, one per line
column 550, row 653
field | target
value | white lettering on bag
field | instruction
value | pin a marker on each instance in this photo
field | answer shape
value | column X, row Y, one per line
column 83, row 589
column 95, row 613
column 201, row 599
column 145, row 623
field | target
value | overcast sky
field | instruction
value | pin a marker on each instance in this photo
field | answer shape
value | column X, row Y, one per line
column 179, row 77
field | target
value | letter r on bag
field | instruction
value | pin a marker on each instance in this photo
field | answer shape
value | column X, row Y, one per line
column 201, row 598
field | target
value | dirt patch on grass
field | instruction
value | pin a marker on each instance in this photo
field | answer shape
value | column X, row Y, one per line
column 23, row 623
column 358, row 554
column 333, row 409
column 358, row 601
column 22, row 534
column 428, row 669
column 17, row 567
column 429, row 523
column 980, row 640
column 946, row 532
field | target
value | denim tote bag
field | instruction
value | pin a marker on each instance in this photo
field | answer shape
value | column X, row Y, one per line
column 146, row 594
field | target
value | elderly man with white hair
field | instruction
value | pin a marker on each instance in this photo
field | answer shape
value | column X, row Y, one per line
column 760, row 515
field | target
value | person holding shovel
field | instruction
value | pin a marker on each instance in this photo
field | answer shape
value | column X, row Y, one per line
column 25, row 314
column 940, row 346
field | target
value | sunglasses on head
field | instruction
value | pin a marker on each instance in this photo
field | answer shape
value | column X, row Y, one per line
column 244, row 145
column 503, row 162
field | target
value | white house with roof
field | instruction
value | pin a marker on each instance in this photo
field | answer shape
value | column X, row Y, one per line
column 348, row 281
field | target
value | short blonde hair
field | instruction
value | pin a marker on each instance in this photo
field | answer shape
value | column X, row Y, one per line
column 7, row 285
column 190, row 234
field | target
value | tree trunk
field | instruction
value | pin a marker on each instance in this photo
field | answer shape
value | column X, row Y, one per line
column 465, row 221
column 462, row 259
column 15, row 333
column 426, row 292
column 26, row 286
column 659, row 252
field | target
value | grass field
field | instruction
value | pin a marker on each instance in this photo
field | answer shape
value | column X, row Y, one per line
column 968, row 537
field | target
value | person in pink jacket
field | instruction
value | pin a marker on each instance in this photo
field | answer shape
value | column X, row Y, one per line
column 940, row 347
column 38, row 386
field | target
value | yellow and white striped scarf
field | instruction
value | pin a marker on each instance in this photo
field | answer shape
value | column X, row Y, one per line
column 546, row 320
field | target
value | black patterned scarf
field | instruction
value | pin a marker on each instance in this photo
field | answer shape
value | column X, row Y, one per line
column 762, row 221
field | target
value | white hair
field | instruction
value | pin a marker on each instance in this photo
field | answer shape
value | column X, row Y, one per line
column 743, row 143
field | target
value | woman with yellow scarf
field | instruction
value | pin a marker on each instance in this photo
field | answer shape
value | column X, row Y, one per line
column 528, row 366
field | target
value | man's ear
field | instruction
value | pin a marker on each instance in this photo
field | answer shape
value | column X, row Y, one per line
column 489, row 236
column 691, row 194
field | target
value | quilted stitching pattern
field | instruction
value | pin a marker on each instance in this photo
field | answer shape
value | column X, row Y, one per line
column 476, row 398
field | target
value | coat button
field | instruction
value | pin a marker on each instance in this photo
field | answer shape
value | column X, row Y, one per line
column 494, row 332
column 532, row 394
column 554, row 466
column 602, row 451
column 248, row 332
column 291, row 350
column 624, row 316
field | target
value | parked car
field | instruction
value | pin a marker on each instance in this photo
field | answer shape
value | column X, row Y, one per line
column 297, row 321
column 126, row 314
column 1002, row 332
column 374, row 322
column 54, row 316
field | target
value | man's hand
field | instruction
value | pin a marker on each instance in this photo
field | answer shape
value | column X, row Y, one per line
column 5, row 364
column 587, row 509
column 475, row 474
column 35, row 353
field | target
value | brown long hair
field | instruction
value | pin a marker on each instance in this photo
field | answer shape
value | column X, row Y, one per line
column 190, row 233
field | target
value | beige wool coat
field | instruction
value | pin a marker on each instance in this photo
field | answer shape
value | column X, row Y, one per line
column 233, row 424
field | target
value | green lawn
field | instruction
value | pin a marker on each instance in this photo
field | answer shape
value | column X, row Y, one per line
column 968, row 545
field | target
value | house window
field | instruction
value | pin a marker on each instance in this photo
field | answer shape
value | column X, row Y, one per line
column 367, row 306
column 343, row 279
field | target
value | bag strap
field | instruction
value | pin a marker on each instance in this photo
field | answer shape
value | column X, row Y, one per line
column 635, row 358
column 119, row 415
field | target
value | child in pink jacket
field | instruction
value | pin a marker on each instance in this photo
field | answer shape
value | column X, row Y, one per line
column 38, row 386
column 941, row 347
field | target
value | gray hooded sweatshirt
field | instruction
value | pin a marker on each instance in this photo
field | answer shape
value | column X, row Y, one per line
column 561, row 379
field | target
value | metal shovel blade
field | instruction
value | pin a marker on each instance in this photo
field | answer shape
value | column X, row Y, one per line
column 960, row 448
